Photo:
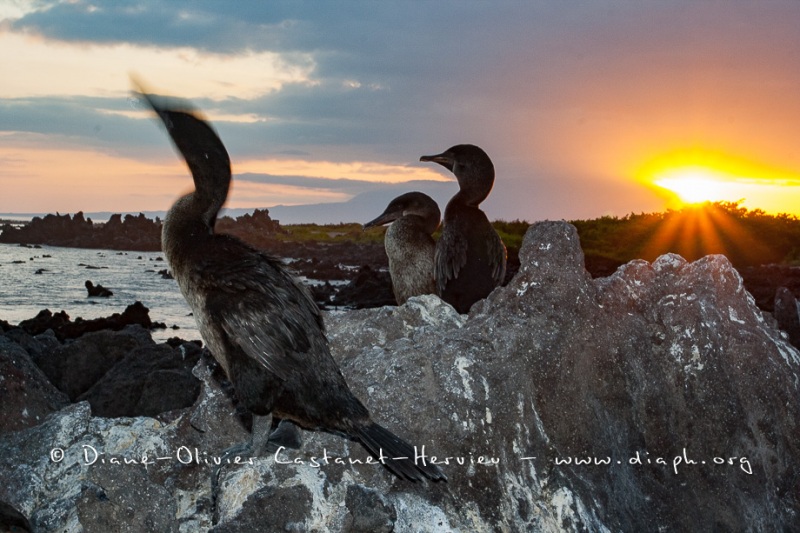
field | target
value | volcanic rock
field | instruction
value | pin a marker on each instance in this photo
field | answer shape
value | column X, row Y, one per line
column 130, row 233
column 370, row 288
column 26, row 394
column 64, row 328
column 97, row 290
column 656, row 399
column 148, row 381
column 123, row 373
column 786, row 314
column 764, row 281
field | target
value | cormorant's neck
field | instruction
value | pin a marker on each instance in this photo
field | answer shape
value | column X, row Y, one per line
column 475, row 184
column 426, row 223
column 189, row 220
column 471, row 197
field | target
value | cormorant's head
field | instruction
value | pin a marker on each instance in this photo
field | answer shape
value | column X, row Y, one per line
column 202, row 150
column 410, row 203
column 472, row 168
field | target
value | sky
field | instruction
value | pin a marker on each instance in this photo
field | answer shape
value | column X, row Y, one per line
column 586, row 108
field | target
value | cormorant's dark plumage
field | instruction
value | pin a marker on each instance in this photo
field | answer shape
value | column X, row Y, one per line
column 470, row 256
column 262, row 327
column 414, row 217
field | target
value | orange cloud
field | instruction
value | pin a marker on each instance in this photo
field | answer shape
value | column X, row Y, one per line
column 355, row 170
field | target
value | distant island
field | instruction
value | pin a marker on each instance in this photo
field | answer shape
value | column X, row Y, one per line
column 751, row 239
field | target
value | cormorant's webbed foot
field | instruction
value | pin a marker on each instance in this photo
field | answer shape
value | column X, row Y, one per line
column 285, row 434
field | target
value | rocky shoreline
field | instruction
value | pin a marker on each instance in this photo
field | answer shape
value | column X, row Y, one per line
column 352, row 275
column 357, row 269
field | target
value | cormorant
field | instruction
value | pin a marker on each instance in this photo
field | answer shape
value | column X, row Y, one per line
column 261, row 326
column 470, row 255
column 409, row 245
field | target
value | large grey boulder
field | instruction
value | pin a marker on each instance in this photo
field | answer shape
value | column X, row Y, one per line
column 655, row 399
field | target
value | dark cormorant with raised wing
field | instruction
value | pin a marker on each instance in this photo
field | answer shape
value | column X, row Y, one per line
column 414, row 217
column 262, row 327
column 470, row 255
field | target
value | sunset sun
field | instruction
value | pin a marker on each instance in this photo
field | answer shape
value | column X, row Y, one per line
column 696, row 185
column 697, row 176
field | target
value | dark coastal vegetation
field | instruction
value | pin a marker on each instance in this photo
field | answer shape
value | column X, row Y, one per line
column 746, row 237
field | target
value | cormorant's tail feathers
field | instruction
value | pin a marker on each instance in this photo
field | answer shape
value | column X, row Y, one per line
column 397, row 455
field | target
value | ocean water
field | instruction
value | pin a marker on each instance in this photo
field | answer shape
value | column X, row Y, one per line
column 131, row 276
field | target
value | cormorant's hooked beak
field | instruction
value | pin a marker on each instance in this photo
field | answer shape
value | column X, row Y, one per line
column 140, row 91
column 161, row 105
column 445, row 159
column 383, row 218
column 146, row 96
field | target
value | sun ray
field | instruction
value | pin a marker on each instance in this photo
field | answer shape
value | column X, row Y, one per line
column 700, row 230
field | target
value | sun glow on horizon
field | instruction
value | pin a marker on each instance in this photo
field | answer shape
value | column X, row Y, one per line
column 697, row 185
column 695, row 177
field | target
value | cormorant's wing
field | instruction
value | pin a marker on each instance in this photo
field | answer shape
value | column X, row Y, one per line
column 450, row 257
column 264, row 312
column 498, row 254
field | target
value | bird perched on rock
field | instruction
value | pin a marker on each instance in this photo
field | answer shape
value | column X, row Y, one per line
column 258, row 322
column 414, row 216
column 470, row 255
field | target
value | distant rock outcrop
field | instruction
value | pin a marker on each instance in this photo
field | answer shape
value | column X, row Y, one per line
column 130, row 233
column 97, row 290
column 657, row 399
column 257, row 229
column 127, row 233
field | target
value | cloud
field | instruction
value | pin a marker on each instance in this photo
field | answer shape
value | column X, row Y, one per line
column 93, row 69
column 349, row 186
column 564, row 97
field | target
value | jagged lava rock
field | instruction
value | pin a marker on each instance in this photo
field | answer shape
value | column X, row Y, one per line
column 663, row 370
column 123, row 373
column 148, row 380
column 64, row 328
column 370, row 288
column 26, row 394
column 647, row 363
